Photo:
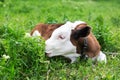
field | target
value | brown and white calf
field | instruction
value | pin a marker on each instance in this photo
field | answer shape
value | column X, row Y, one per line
column 68, row 40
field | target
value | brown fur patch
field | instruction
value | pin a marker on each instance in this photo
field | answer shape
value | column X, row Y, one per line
column 93, row 48
column 46, row 29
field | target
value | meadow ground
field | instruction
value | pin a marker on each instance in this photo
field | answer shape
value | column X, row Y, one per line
column 26, row 59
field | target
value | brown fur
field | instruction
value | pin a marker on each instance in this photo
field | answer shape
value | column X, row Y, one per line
column 46, row 29
column 93, row 48
column 93, row 45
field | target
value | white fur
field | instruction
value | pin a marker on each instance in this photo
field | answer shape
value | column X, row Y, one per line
column 101, row 57
column 73, row 57
column 36, row 33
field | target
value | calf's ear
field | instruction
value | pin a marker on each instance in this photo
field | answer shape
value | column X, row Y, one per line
column 83, row 32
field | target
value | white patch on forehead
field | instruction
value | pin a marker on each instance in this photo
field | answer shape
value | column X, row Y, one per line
column 66, row 28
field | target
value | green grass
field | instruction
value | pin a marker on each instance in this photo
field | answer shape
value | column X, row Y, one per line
column 27, row 60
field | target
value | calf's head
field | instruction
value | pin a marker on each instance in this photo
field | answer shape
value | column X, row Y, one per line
column 60, row 41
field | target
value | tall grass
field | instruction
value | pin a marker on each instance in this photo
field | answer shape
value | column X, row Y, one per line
column 27, row 60
column 106, row 38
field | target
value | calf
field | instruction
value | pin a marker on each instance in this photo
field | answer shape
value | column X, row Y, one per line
column 70, row 40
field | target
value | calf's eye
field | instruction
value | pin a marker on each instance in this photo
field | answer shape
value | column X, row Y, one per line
column 61, row 37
